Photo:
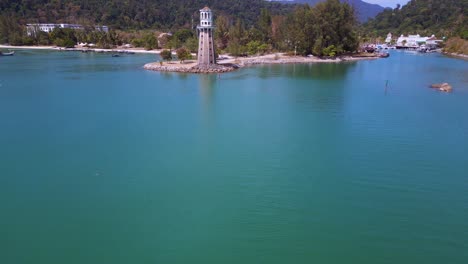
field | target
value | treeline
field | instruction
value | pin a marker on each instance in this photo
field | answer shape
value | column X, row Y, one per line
column 133, row 14
column 327, row 29
column 129, row 18
column 364, row 10
column 425, row 17
column 68, row 38
column 456, row 45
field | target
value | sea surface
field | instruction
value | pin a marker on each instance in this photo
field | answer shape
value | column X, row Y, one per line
column 102, row 161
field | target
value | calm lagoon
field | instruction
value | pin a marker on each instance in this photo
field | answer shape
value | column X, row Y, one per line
column 102, row 161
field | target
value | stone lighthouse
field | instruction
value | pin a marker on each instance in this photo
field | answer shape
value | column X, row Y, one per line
column 206, row 51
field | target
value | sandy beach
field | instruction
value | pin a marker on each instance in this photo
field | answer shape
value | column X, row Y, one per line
column 225, row 62
column 136, row 50
column 281, row 58
column 457, row 55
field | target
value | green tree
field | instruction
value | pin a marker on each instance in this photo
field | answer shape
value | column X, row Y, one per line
column 222, row 32
column 256, row 47
column 329, row 51
column 180, row 38
column 330, row 23
column 10, row 30
column 297, row 33
column 238, row 39
column 183, row 54
column 150, row 41
column 191, row 44
column 166, row 55
column 264, row 25
column 63, row 37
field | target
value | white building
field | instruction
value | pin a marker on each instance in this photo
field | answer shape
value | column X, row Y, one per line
column 413, row 41
column 32, row 29
column 388, row 40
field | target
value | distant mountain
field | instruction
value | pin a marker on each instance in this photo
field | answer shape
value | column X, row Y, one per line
column 424, row 17
column 364, row 10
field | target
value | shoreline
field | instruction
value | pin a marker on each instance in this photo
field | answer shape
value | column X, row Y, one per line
column 224, row 64
column 85, row 49
column 231, row 64
column 456, row 55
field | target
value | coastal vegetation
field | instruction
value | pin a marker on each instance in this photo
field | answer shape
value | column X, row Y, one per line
column 166, row 55
column 364, row 10
column 133, row 15
column 183, row 54
column 456, row 45
column 327, row 29
column 243, row 27
column 446, row 18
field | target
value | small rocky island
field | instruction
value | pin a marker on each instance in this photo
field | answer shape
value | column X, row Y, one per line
column 206, row 57
column 189, row 67
column 443, row 87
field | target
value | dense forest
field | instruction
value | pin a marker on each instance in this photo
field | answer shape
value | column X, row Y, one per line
column 425, row 17
column 364, row 10
column 242, row 27
column 327, row 29
column 130, row 20
column 133, row 14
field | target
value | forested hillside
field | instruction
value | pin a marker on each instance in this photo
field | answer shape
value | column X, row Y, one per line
column 327, row 29
column 132, row 14
column 363, row 10
column 425, row 17
column 242, row 27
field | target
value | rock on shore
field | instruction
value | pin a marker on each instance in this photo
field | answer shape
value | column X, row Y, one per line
column 189, row 68
column 444, row 87
column 230, row 64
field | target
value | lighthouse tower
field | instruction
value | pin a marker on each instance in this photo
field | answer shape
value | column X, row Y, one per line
column 206, row 51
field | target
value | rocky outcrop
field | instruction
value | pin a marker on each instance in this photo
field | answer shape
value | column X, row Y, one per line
column 190, row 69
column 232, row 64
column 214, row 68
column 444, row 87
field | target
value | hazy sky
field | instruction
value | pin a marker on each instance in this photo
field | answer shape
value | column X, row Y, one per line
column 387, row 3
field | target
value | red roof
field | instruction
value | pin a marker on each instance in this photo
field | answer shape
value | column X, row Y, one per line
column 206, row 9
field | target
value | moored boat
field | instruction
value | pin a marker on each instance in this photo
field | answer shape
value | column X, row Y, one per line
column 384, row 55
column 369, row 49
column 7, row 53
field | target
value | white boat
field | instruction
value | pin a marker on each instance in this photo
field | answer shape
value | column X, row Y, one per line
column 7, row 53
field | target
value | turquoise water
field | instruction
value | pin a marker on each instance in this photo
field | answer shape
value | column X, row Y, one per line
column 104, row 162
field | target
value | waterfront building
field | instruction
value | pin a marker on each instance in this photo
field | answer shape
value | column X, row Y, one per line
column 206, row 50
column 32, row 29
column 414, row 41
column 388, row 40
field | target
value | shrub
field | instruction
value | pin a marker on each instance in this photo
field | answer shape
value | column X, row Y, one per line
column 183, row 54
column 329, row 51
column 256, row 47
column 166, row 55
column 456, row 45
